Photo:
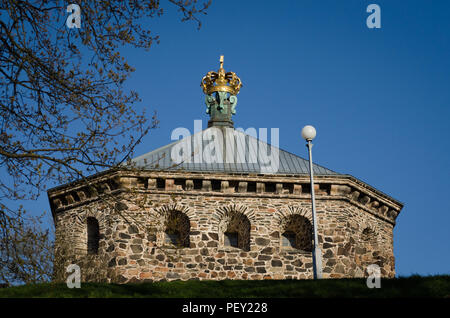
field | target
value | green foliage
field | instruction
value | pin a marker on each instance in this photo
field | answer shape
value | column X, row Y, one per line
column 431, row 286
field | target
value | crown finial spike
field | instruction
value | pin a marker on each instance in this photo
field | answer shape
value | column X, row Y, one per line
column 221, row 81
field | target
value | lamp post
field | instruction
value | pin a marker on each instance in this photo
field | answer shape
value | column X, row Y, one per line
column 309, row 133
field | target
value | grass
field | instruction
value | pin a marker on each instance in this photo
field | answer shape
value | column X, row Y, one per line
column 413, row 286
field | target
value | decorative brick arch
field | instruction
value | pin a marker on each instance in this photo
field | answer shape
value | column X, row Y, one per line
column 234, row 218
column 281, row 216
column 368, row 250
column 92, row 213
column 298, row 221
column 173, row 217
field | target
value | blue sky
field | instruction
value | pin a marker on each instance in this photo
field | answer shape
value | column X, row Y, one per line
column 379, row 98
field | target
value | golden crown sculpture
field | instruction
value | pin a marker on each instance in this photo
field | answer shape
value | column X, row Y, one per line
column 221, row 82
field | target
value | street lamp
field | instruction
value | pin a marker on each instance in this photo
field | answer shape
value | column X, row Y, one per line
column 309, row 133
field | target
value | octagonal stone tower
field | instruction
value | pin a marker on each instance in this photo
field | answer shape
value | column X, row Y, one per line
column 212, row 206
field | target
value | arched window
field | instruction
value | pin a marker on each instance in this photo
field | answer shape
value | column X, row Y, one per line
column 234, row 230
column 297, row 233
column 93, row 235
column 177, row 228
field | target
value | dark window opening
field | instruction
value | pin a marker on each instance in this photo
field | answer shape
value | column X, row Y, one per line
column 270, row 187
column 180, row 182
column 324, row 189
column 215, row 185
column 93, row 235
column 198, row 184
column 230, row 239
column 297, row 233
column 288, row 239
column 172, row 238
column 114, row 185
column 177, row 230
column 75, row 196
column 99, row 189
column 160, row 183
column 63, row 200
column 92, row 192
column 306, row 188
column 288, row 188
column 234, row 185
column 143, row 182
column 251, row 187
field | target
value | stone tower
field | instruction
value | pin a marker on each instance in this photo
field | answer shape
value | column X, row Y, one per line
column 211, row 206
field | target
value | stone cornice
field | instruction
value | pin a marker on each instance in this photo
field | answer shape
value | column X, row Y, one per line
column 341, row 187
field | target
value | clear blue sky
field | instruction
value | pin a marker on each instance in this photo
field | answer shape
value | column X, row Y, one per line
column 379, row 98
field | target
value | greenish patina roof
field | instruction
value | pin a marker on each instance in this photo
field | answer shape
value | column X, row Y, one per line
column 288, row 163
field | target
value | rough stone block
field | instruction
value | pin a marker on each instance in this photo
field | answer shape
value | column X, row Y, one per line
column 206, row 185
column 242, row 187
column 189, row 185
column 170, row 185
column 297, row 189
column 260, row 187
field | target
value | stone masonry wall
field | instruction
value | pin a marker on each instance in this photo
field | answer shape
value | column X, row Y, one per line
column 132, row 245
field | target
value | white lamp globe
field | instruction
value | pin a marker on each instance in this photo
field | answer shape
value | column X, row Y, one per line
column 308, row 133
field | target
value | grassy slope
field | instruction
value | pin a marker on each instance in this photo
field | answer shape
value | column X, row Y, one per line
column 414, row 286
